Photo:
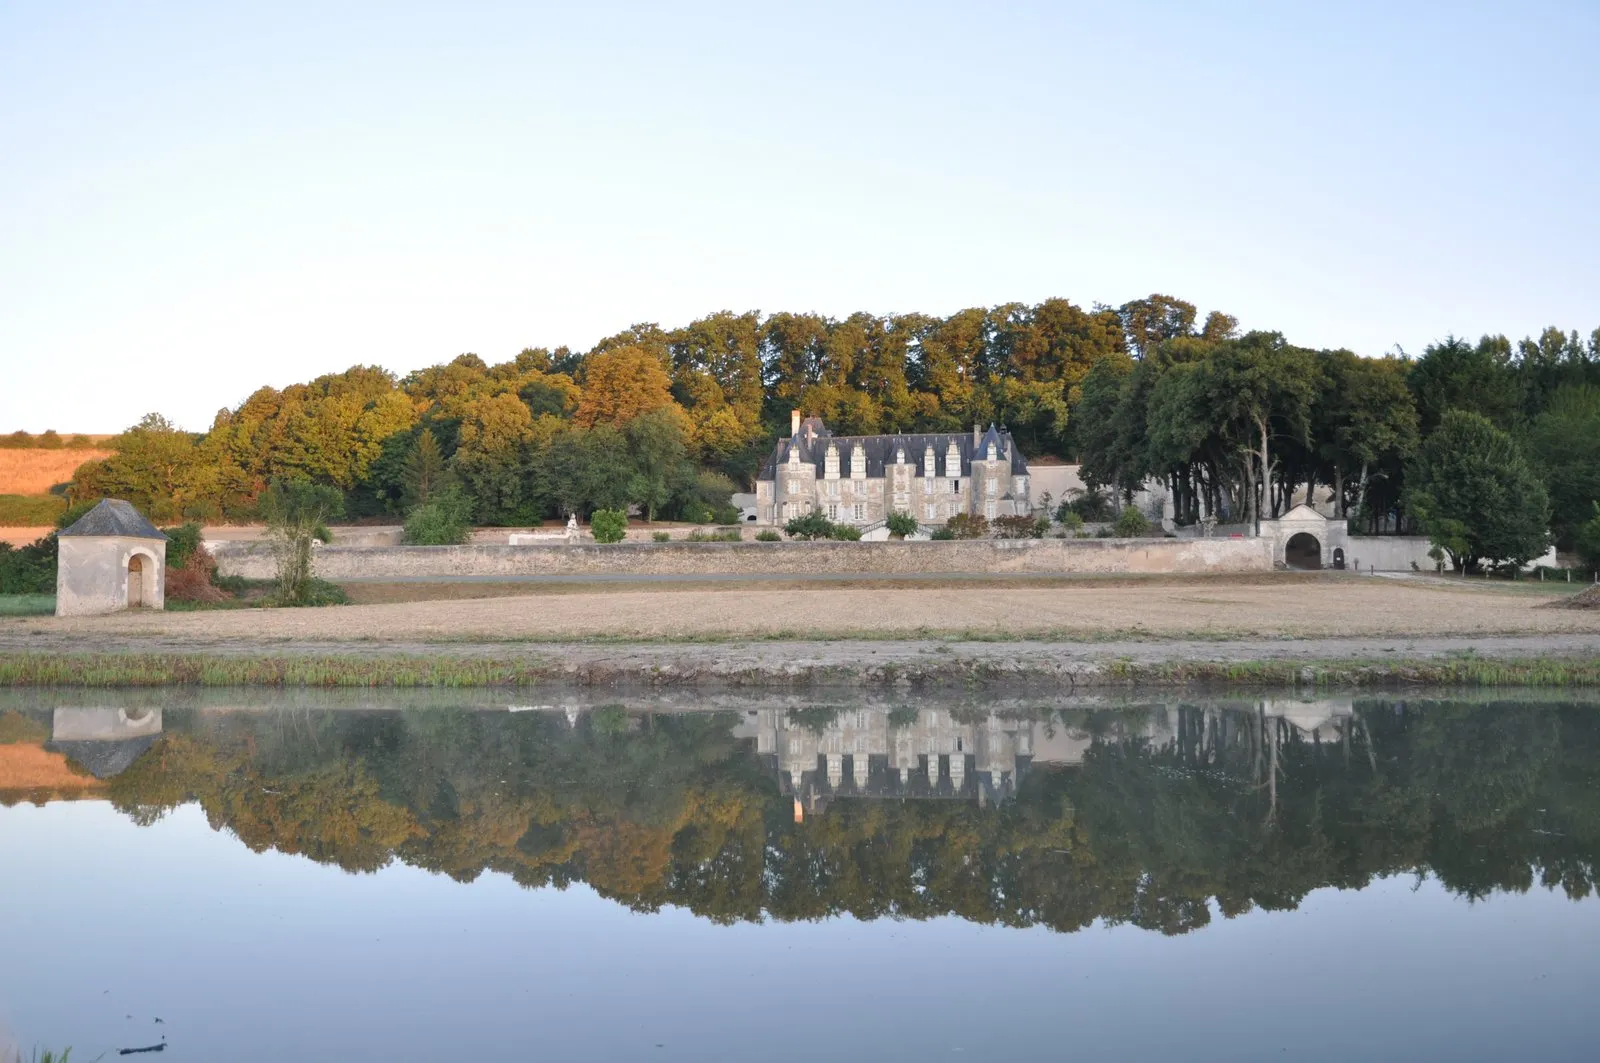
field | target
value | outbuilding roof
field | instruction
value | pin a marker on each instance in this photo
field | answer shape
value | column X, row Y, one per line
column 113, row 516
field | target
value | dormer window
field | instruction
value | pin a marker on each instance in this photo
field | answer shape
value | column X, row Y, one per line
column 952, row 460
column 928, row 469
column 992, row 455
column 900, row 455
column 830, row 463
column 858, row 462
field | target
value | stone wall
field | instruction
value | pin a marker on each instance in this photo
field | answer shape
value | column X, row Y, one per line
column 998, row 557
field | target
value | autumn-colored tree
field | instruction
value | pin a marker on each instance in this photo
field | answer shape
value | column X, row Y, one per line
column 619, row 385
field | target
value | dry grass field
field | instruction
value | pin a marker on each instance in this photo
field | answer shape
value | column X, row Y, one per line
column 34, row 472
column 1290, row 607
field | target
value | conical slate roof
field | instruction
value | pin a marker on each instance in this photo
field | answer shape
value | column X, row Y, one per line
column 113, row 516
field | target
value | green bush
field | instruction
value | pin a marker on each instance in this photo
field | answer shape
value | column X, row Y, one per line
column 721, row 535
column 608, row 525
column 1092, row 504
column 26, row 511
column 661, row 537
column 845, row 533
column 29, row 569
column 901, row 524
column 768, row 536
column 967, row 526
column 942, row 534
column 1131, row 524
column 1071, row 520
column 444, row 520
column 182, row 542
column 811, row 526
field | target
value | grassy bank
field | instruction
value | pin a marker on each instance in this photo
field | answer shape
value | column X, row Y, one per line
column 436, row 671
column 27, row 604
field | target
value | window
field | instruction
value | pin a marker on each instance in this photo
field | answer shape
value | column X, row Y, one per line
column 833, row 511
column 900, row 456
column 858, row 462
column 927, row 486
column 794, row 486
column 989, row 510
column 860, row 511
column 991, row 486
column 833, row 488
column 927, row 464
column 830, row 463
column 930, row 511
column 992, row 455
column 955, row 487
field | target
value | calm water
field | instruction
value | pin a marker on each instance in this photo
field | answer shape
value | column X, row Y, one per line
column 326, row 879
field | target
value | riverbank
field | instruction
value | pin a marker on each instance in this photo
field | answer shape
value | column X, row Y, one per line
column 922, row 664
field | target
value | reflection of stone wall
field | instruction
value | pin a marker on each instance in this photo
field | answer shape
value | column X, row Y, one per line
column 1000, row 557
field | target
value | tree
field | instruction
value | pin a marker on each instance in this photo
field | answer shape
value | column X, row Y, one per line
column 1476, row 496
column 658, row 446
column 1587, row 541
column 1456, row 375
column 296, row 513
column 619, row 385
column 1564, row 445
column 424, row 468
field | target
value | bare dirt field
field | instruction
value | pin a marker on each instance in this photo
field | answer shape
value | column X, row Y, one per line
column 1086, row 610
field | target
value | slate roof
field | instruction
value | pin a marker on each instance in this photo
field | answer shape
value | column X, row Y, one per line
column 104, row 759
column 814, row 439
column 113, row 516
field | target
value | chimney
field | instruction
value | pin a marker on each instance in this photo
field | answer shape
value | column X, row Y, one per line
column 977, row 434
column 794, row 423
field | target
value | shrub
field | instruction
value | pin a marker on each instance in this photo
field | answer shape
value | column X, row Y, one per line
column 721, row 535
column 29, row 569
column 901, row 525
column 608, row 525
column 1092, row 504
column 967, row 526
column 811, row 526
column 444, row 520
column 194, row 578
column 182, row 543
column 48, row 440
column 297, row 512
column 768, row 536
column 1071, row 520
column 661, row 537
column 1018, row 527
column 1131, row 524
column 845, row 533
column 725, row 514
column 18, row 440
column 941, row 534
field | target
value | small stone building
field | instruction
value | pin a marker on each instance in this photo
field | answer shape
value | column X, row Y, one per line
column 1304, row 538
column 111, row 559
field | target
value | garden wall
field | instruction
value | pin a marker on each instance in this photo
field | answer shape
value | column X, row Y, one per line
column 988, row 556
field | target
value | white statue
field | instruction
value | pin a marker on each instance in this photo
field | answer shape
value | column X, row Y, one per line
column 572, row 527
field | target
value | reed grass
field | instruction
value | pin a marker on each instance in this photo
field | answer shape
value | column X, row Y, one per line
column 445, row 672
column 27, row 604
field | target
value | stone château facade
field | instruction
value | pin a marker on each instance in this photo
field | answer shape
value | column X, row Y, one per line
column 860, row 480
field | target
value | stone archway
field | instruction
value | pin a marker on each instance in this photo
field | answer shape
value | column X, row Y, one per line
column 1303, row 550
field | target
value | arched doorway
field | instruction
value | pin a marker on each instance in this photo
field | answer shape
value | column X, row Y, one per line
column 1303, row 551
column 136, row 582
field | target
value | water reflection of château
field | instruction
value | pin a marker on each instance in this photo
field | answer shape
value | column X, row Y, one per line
column 935, row 754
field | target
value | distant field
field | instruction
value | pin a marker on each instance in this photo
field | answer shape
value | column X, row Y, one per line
column 34, row 472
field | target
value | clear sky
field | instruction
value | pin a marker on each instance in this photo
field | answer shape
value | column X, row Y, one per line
column 198, row 199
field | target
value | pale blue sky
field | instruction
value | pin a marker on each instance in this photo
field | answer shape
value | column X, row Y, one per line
column 197, row 199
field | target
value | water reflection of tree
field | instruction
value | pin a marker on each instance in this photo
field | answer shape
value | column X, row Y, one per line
column 1224, row 810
